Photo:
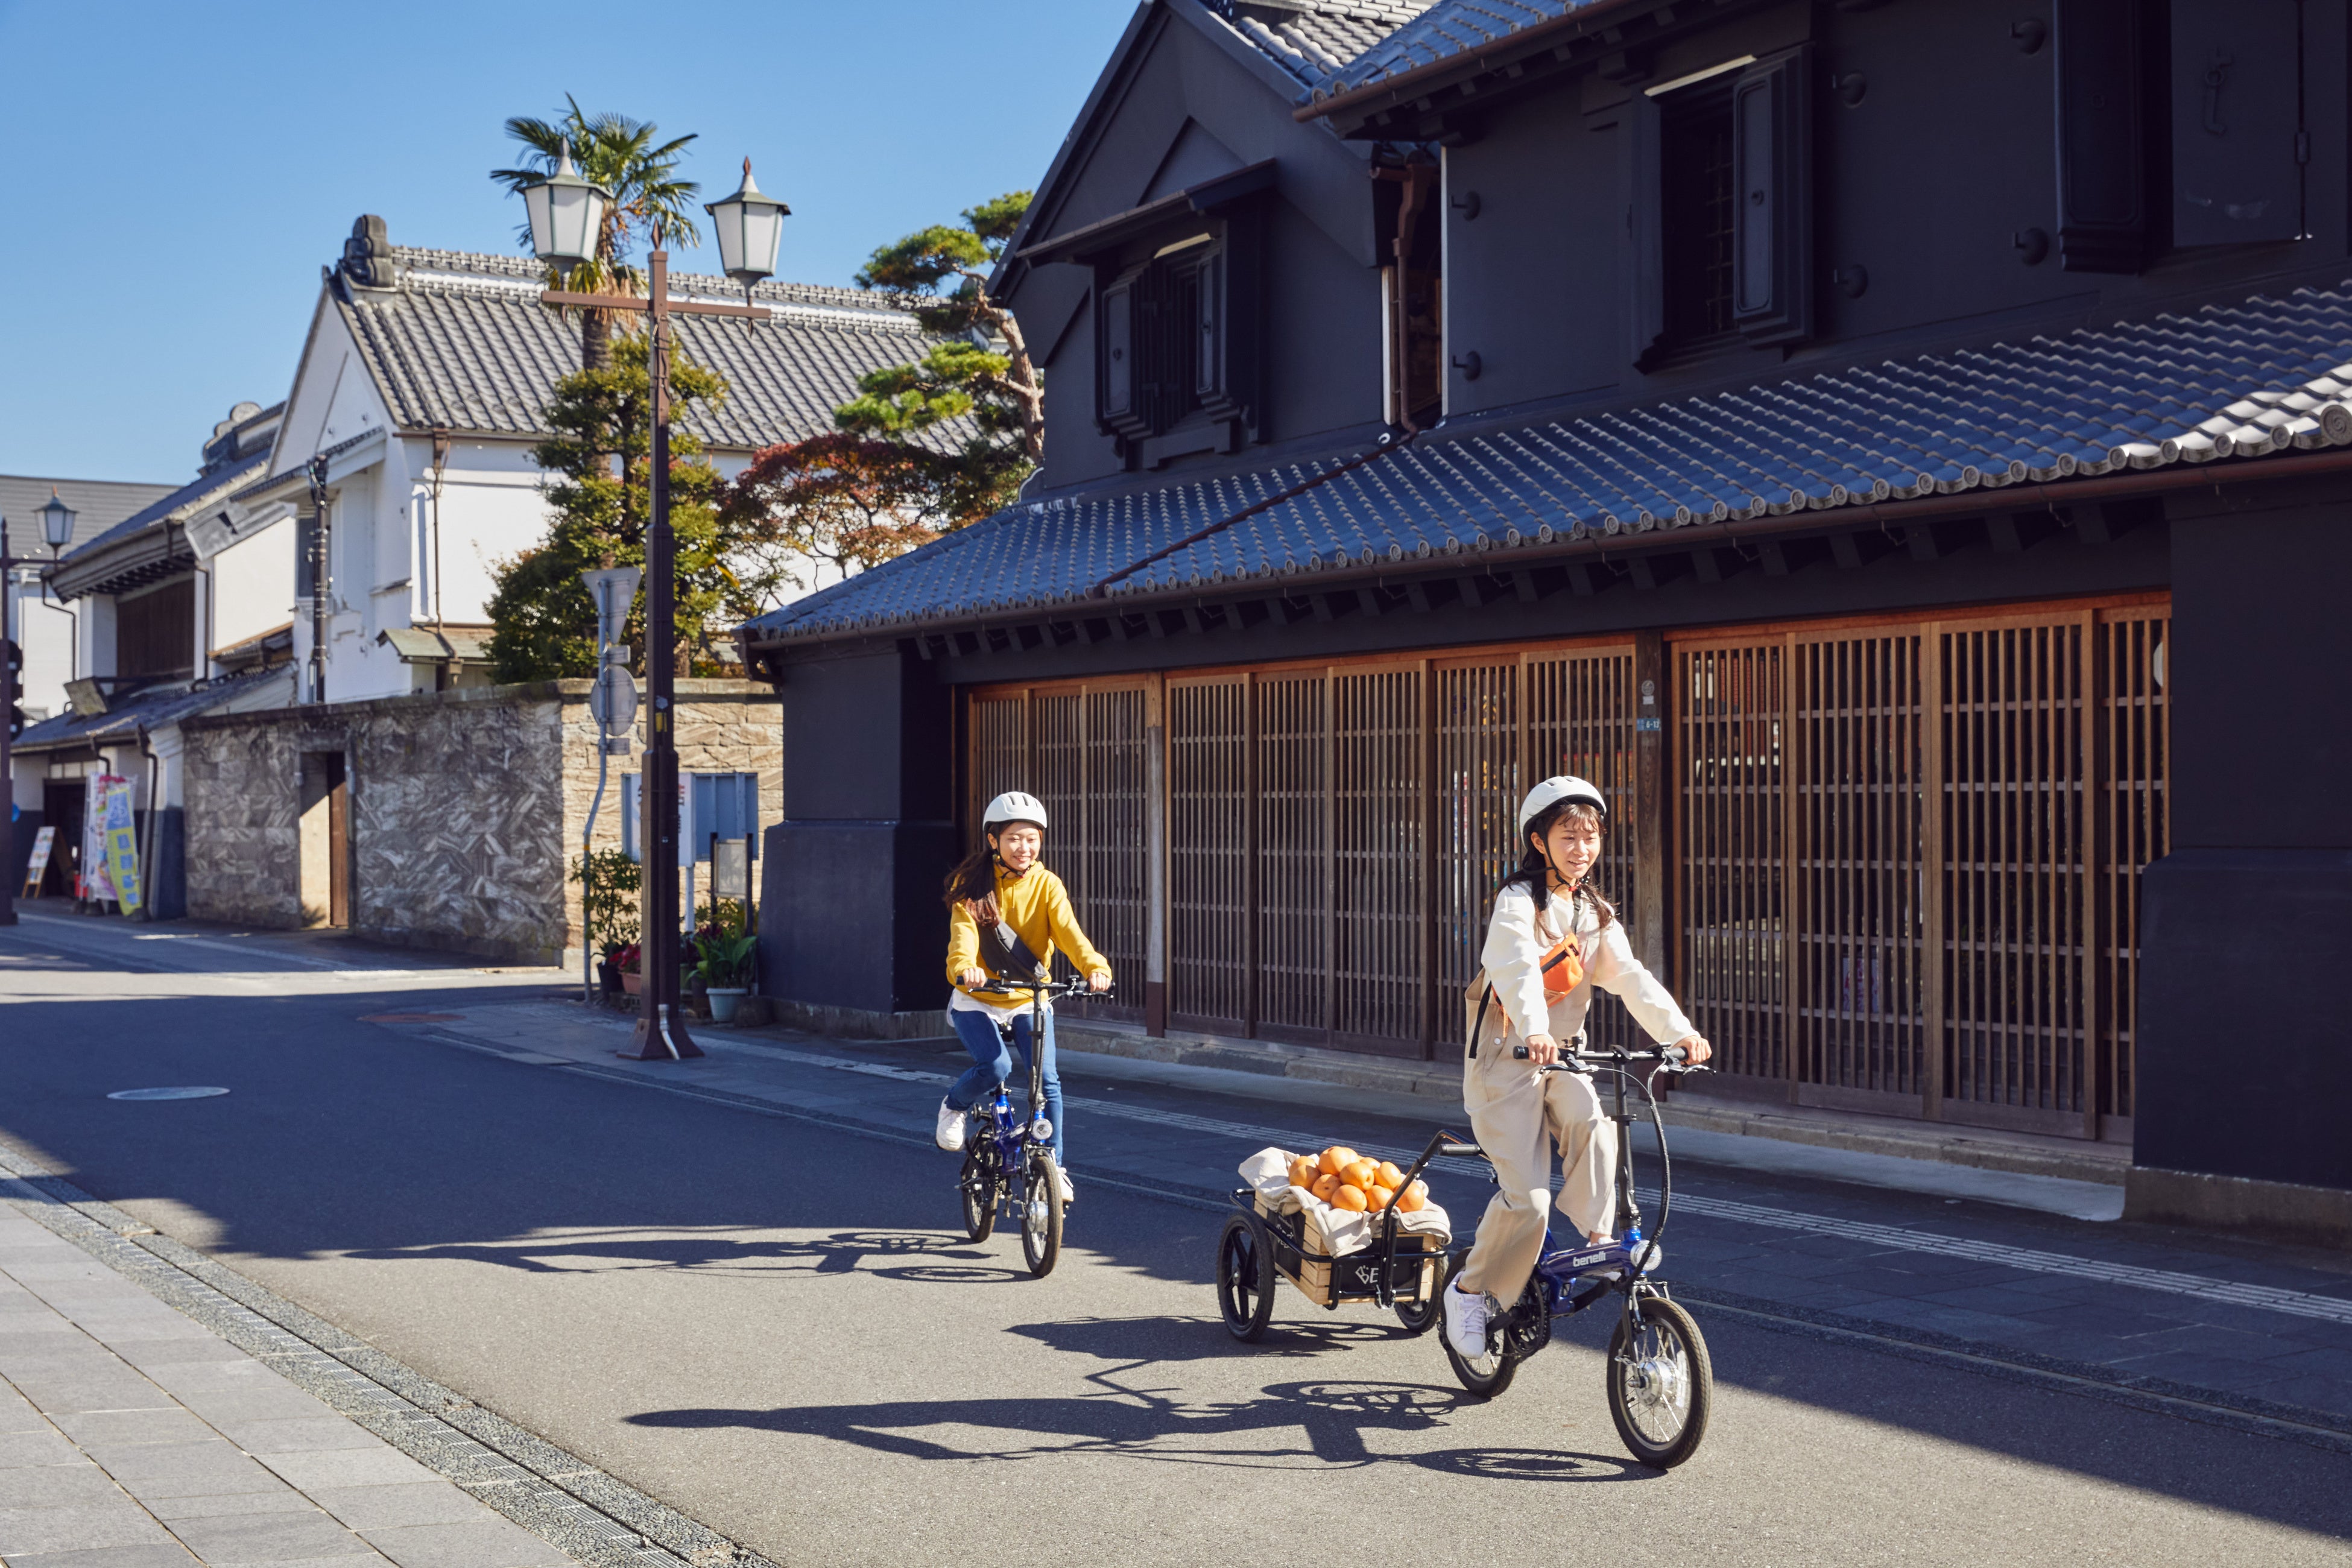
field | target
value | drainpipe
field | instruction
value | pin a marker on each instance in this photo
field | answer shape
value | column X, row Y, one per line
column 318, row 478
column 448, row 675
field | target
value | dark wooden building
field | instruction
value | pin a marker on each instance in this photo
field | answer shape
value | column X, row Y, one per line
column 1899, row 449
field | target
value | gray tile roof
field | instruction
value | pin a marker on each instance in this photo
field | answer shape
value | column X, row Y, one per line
column 175, row 507
column 99, row 505
column 1445, row 29
column 2232, row 381
column 462, row 342
column 1318, row 37
column 149, row 710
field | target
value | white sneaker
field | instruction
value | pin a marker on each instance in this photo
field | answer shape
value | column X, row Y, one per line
column 1062, row 1182
column 1466, row 1322
column 949, row 1134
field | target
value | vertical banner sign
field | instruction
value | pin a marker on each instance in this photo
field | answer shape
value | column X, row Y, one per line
column 95, row 883
column 121, row 846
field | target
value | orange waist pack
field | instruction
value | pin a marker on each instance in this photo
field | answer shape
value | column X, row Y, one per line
column 1563, row 967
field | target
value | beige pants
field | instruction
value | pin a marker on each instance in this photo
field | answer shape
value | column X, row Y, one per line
column 1517, row 1114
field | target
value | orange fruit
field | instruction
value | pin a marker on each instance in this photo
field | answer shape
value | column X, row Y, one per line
column 1325, row 1186
column 1350, row 1198
column 1360, row 1174
column 1336, row 1157
column 1414, row 1199
column 1382, row 1197
column 1303, row 1172
column 1390, row 1176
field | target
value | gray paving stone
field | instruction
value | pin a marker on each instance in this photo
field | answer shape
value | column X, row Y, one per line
column 228, row 1540
column 171, row 1554
column 225, row 1408
column 494, row 1543
column 64, row 1393
column 17, row 1415
column 118, row 1522
column 57, row 1486
column 324, row 1433
column 378, row 1467
column 45, row 1447
column 160, row 1423
column 146, row 1353
column 403, row 1503
column 183, row 1469
column 182, row 1378
column 218, row 1505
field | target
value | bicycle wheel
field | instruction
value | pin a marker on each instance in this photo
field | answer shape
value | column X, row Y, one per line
column 1245, row 1277
column 977, row 1185
column 1489, row 1374
column 1661, row 1384
column 1420, row 1317
column 1040, row 1215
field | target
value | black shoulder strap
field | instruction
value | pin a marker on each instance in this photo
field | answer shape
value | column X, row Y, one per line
column 1012, row 960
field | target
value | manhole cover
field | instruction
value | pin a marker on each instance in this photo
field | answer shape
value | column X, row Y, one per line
column 411, row 1017
column 190, row 1092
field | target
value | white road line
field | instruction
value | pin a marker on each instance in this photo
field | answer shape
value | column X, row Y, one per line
column 2293, row 1303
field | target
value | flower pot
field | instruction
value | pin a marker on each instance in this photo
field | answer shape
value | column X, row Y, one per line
column 633, row 983
column 724, row 1000
column 608, row 979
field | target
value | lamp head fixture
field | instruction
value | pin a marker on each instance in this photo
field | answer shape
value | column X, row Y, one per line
column 749, row 225
column 567, row 214
column 57, row 522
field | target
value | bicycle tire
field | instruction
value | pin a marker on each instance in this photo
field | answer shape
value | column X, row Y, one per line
column 978, row 1188
column 1660, row 1400
column 1490, row 1374
column 1245, row 1277
column 1040, row 1215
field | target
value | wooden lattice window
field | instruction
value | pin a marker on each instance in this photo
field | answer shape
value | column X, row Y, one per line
column 1378, row 830
column 1581, row 721
column 1911, row 854
column 1081, row 751
column 1212, row 900
column 1292, row 747
column 1729, row 862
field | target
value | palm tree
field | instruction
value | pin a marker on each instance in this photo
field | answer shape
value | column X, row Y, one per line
column 649, row 200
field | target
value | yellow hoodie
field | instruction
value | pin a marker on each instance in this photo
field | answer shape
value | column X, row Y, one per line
column 1037, row 907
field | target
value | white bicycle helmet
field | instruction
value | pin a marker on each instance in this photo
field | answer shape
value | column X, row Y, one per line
column 1013, row 806
column 1552, row 791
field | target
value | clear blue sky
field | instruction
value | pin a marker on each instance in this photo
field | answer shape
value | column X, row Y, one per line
column 183, row 170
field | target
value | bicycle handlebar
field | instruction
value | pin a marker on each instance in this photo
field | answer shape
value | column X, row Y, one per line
column 1042, row 987
column 1670, row 1059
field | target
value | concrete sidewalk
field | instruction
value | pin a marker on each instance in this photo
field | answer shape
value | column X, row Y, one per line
column 132, row 1437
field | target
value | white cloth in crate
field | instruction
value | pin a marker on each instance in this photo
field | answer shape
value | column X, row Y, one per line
column 1336, row 1230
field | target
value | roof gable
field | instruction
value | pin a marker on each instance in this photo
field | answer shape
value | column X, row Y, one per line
column 460, row 342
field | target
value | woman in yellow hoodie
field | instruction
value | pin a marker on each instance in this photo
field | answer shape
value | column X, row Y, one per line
column 1007, row 915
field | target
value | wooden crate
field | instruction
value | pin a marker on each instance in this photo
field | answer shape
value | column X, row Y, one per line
column 1356, row 1273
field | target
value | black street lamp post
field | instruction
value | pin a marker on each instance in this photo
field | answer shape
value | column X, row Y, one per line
column 566, row 215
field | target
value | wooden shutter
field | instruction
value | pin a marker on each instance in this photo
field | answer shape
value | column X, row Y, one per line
column 2237, row 124
column 1771, row 287
column 1645, row 244
column 1115, row 349
column 2102, row 214
column 1377, row 834
column 1732, row 833
column 1209, row 330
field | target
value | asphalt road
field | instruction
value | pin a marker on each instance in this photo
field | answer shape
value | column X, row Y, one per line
column 774, row 1327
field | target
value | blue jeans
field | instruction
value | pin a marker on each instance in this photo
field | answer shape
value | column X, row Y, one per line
column 992, row 1065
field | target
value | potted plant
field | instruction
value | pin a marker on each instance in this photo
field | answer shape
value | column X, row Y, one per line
column 609, row 882
column 626, row 961
column 725, row 970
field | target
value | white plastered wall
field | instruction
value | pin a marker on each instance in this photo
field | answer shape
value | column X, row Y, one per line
column 252, row 584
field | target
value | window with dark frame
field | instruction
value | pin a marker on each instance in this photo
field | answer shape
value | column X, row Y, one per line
column 1698, row 214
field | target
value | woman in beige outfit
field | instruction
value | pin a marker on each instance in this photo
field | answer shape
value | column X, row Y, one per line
column 1547, row 925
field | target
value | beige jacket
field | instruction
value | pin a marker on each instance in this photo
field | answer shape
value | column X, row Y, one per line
column 1517, row 940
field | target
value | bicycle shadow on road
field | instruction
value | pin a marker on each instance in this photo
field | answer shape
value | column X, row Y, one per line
column 1331, row 1420
column 938, row 1258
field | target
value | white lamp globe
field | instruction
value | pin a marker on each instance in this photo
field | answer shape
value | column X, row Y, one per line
column 749, row 227
column 56, row 522
column 567, row 214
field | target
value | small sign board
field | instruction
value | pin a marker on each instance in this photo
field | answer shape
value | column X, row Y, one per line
column 35, row 867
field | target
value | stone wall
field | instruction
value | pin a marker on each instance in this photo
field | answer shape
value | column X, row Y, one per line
column 466, row 807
